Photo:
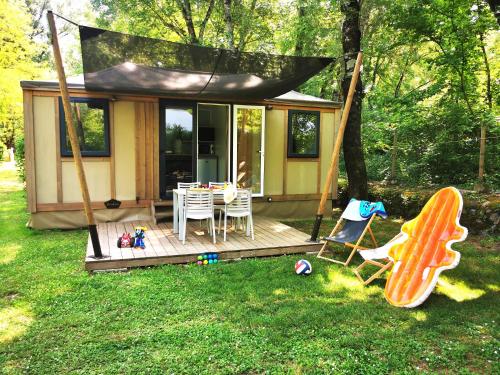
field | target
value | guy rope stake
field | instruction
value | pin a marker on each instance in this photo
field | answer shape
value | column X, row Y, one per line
column 75, row 146
column 336, row 148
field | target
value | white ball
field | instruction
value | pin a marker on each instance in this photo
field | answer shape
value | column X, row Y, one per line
column 303, row 267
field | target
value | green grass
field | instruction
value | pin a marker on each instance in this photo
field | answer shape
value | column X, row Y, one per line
column 252, row 316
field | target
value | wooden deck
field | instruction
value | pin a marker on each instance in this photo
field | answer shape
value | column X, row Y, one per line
column 164, row 247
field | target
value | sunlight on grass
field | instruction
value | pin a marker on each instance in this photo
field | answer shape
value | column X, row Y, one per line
column 420, row 316
column 337, row 281
column 493, row 287
column 8, row 253
column 14, row 321
column 279, row 292
column 458, row 290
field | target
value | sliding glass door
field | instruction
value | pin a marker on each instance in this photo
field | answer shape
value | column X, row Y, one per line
column 248, row 147
column 177, row 146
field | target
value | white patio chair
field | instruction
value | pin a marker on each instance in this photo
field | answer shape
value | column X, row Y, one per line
column 218, row 184
column 217, row 207
column 199, row 206
column 240, row 207
column 188, row 185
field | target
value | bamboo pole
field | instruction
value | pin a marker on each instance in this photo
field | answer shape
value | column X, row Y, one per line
column 75, row 146
column 336, row 148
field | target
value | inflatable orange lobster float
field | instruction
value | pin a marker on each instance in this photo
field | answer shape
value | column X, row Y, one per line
column 423, row 250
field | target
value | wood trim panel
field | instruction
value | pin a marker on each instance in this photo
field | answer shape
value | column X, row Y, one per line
column 140, row 166
column 156, row 151
column 29, row 150
column 148, row 149
column 86, row 159
column 76, row 206
column 289, row 197
column 80, row 92
column 112, row 175
column 58, row 153
column 298, row 160
column 300, row 107
column 285, row 151
column 335, row 180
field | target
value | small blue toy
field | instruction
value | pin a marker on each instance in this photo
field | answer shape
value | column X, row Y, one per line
column 139, row 236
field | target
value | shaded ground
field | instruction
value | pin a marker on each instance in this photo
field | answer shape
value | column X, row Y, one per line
column 251, row 316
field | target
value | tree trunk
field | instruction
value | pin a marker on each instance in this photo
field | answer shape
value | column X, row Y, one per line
column 394, row 157
column 185, row 6
column 353, row 150
column 299, row 41
column 229, row 24
column 480, row 186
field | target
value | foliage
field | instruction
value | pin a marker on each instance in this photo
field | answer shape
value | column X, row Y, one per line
column 251, row 316
column 480, row 214
column 19, row 157
column 16, row 53
column 428, row 84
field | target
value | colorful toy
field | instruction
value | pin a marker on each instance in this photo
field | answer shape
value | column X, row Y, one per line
column 303, row 267
column 139, row 237
column 125, row 240
column 424, row 249
column 207, row 258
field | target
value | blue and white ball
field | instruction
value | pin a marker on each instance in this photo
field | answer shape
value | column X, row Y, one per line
column 303, row 267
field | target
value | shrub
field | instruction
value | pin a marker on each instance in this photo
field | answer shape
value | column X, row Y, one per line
column 19, row 157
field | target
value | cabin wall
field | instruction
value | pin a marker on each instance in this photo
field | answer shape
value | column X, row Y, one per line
column 53, row 187
column 292, row 186
column 297, row 178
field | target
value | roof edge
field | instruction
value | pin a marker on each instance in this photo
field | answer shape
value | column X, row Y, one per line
column 54, row 86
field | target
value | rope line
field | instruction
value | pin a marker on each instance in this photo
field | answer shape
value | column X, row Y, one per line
column 66, row 19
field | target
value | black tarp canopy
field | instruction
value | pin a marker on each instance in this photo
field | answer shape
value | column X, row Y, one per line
column 125, row 63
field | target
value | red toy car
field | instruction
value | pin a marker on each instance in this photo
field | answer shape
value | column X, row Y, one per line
column 125, row 240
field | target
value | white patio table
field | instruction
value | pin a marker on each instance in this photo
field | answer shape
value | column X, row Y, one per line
column 178, row 198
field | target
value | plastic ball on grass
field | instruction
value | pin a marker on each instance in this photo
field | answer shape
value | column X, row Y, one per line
column 205, row 261
column 199, row 262
column 205, row 256
column 211, row 261
column 215, row 261
column 200, row 257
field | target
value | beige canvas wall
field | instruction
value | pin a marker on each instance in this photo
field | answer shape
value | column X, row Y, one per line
column 44, row 119
column 274, row 152
column 328, row 132
column 302, row 177
column 124, row 149
column 98, row 180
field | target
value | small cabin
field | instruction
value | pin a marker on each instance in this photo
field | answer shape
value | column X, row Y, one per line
column 136, row 148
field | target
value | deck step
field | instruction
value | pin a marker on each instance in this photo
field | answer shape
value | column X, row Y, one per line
column 163, row 215
column 162, row 210
column 163, row 203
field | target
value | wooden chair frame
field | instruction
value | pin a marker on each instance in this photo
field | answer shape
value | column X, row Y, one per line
column 355, row 247
column 383, row 267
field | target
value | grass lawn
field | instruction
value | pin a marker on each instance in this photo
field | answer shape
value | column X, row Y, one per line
column 252, row 316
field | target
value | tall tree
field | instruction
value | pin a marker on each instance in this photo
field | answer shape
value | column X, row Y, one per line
column 352, row 146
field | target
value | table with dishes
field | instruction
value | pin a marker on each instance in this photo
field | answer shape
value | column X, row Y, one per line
column 178, row 199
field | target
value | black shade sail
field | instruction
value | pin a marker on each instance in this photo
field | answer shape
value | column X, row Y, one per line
column 132, row 64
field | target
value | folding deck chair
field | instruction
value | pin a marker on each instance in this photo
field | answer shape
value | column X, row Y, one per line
column 420, row 251
column 376, row 257
column 351, row 233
